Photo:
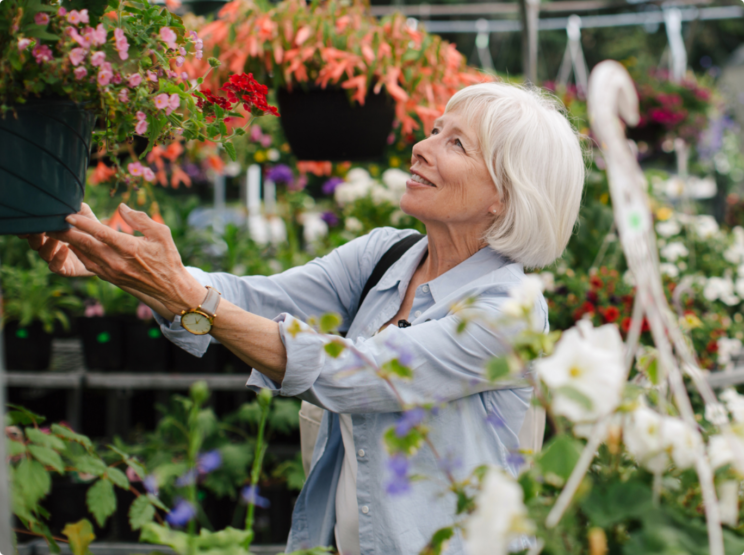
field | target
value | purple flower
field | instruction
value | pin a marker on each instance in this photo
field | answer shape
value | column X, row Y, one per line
column 188, row 478
column 514, row 460
column 409, row 420
column 404, row 356
column 330, row 218
column 330, row 186
column 151, row 484
column 450, row 462
column 495, row 420
column 281, row 173
column 250, row 495
column 181, row 514
column 399, row 482
column 209, row 462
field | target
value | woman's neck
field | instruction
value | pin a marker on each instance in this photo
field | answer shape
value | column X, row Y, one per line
column 448, row 248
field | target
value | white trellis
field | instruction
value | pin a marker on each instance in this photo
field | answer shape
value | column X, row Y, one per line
column 573, row 59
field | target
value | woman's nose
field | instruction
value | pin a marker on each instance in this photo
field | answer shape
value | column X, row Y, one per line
column 422, row 151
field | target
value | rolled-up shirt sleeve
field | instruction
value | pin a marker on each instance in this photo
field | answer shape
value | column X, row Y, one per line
column 332, row 283
column 447, row 363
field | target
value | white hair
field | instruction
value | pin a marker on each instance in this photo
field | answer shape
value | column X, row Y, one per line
column 535, row 160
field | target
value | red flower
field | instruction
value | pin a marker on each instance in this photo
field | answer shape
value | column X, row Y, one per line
column 244, row 88
column 596, row 282
column 712, row 347
column 211, row 99
column 592, row 297
column 586, row 308
column 610, row 314
column 625, row 325
column 645, row 326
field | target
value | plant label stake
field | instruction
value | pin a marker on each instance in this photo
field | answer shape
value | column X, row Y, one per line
column 6, row 540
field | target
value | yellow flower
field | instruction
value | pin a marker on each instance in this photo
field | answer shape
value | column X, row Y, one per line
column 604, row 198
column 394, row 162
column 260, row 156
column 284, row 147
column 664, row 213
column 690, row 321
column 374, row 170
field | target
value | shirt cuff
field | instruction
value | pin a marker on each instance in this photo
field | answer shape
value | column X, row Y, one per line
column 305, row 357
column 193, row 344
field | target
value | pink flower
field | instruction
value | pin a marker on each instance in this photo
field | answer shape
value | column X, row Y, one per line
column 179, row 61
column 73, row 17
column 199, row 55
column 169, row 37
column 23, row 44
column 42, row 53
column 161, row 101
column 97, row 58
column 84, row 16
column 93, row 309
column 141, row 128
column 143, row 313
column 83, row 41
column 135, row 168
column 124, row 95
column 41, row 18
column 77, row 55
column 117, row 79
column 148, row 174
column 152, row 76
column 96, row 36
column 181, row 50
column 141, row 116
column 193, row 35
column 173, row 103
column 134, row 79
column 80, row 72
column 62, row 11
column 123, row 54
column 184, row 75
column 105, row 74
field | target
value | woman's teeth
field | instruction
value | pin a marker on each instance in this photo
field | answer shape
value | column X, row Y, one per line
column 420, row 179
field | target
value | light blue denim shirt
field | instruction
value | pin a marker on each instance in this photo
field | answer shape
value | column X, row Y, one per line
column 477, row 424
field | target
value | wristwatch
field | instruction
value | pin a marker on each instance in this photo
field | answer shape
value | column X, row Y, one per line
column 200, row 320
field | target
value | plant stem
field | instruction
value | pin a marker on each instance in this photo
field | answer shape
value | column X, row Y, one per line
column 256, row 470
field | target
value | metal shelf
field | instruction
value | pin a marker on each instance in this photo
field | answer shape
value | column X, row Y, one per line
column 46, row 380
column 39, row 547
column 114, row 380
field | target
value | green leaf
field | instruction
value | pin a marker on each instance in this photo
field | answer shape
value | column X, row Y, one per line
column 47, row 457
column 88, row 464
column 32, row 478
column 39, row 32
column 80, row 535
column 497, row 368
column 229, row 147
column 67, row 433
column 397, row 369
column 47, row 440
column 576, row 396
column 101, row 500
column 22, row 416
column 330, row 322
column 285, row 417
column 141, row 512
column 558, row 459
column 335, row 347
column 606, row 506
column 117, row 477
column 408, row 444
column 15, row 448
column 439, row 541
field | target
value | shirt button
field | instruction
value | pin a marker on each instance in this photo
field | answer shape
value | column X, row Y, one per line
column 365, row 509
column 425, row 288
column 360, row 452
column 417, row 313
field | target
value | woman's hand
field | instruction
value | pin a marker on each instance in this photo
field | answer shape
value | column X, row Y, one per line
column 57, row 254
column 150, row 264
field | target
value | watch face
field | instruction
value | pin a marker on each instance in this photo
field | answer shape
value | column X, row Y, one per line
column 196, row 323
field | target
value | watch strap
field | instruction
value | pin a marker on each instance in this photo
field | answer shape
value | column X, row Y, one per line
column 210, row 302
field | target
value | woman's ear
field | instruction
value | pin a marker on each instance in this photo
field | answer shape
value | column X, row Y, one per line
column 497, row 208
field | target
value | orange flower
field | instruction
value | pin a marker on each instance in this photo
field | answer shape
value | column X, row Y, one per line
column 302, row 35
column 116, row 222
column 216, row 163
column 341, row 23
column 316, row 168
column 172, row 4
column 360, row 83
column 173, row 151
column 101, row 174
column 179, row 176
column 266, row 28
column 156, row 217
column 427, row 116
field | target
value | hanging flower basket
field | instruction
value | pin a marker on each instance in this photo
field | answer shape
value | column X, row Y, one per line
column 42, row 165
column 321, row 124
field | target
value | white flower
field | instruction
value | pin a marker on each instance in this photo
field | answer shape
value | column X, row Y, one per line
column 734, row 254
column 674, row 186
column 720, row 288
column 728, row 502
column 629, row 278
column 589, row 362
column 522, row 298
column 313, row 227
column 727, row 349
column 548, row 280
column 673, row 251
column 701, row 188
column 705, row 226
column 734, row 402
column 397, row 217
column 381, row 194
column 353, row 225
column 719, row 451
column 500, row 516
column 395, row 180
column 683, row 442
column 669, row 269
column 357, row 175
column 346, row 193
column 273, row 154
column 668, row 228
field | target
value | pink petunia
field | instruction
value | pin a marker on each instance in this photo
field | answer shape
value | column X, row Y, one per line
column 82, row 40
column 73, row 17
column 141, row 128
column 135, row 168
column 124, row 95
column 105, row 74
column 174, row 101
column 97, row 58
column 148, row 174
column 42, row 53
column 169, row 37
column 77, row 55
column 123, row 54
column 41, row 18
column 84, row 16
column 152, row 76
column 134, row 79
column 80, row 72
column 161, row 101
column 97, row 35
column 141, row 115
column 62, row 11
column 23, row 44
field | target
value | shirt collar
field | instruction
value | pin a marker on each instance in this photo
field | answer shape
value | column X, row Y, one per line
column 481, row 263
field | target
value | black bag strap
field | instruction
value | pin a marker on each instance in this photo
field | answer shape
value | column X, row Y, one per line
column 392, row 255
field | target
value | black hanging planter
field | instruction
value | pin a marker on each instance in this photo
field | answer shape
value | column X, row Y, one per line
column 43, row 160
column 27, row 348
column 322, row 124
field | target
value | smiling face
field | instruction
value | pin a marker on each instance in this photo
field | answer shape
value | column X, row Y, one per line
column 450, row 182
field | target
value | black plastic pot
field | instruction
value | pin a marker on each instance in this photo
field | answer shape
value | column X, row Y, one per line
column 43, row 160
column 146, row 350
column 28, row 348
column 103, row 342
column 202, row 7
column 322, row 124
column 66, row 505
column 212, row 361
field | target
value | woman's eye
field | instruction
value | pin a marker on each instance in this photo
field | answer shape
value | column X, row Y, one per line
column 458, row 143
column 435, row 131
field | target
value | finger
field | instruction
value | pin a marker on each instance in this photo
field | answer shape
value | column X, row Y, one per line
column 89, row 264
column 49, row 249
column 79, row 239
column 36, row 240
column 140, row 221
column 120, row 242
column 87, row 212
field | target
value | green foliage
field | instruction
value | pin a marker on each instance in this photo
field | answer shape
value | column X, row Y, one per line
column 101, row 500
column 406, row 445
column 80, row 535
column 36, row 295
column 229, row 541
column 558, row 458
column 141, row 512
column 438, row 542
column 113, row 299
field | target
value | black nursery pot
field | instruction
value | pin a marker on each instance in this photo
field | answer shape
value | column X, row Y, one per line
column 28, row 348
column 322, row 124
column 43, row 160
column 212, row 361
column 146, row 350
column 103, row 342
column 66, row 505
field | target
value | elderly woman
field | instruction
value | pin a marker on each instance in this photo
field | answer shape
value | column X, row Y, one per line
column 498, row 186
